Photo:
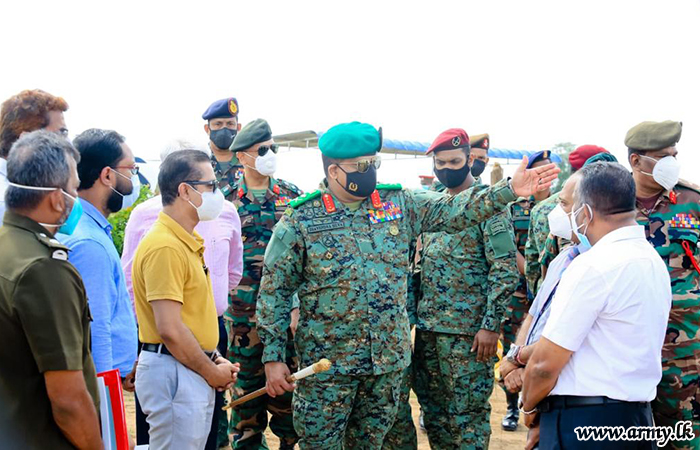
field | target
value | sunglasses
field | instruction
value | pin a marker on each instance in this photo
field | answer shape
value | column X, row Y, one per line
column 133, row 169
column 263, row 149
column 364, row 165
column 210, row 183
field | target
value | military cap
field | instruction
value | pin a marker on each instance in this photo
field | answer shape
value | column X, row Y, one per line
column 582, row 153
column 537, row 157
column 654, row 135
column 480, row 141
column 226, row 107
column 450, row 140
column 350, row 140
column 253, row 133
column 600, row 157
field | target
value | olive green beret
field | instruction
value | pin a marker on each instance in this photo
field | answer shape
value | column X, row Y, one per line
column 350, row 140
column 600, row 157
column 253, row 133
column 654, row 135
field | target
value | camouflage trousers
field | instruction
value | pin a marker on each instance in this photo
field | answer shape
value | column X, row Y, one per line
column 353, row 412
column 249, row 420
column 516, row 311
column 453, row 390
column 678, row 396
column 402, row 435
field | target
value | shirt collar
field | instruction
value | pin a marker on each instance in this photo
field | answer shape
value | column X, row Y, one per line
column 243, row 189
column 193, row 241
column 622, row 234
column 96, row 215
column 25, row 223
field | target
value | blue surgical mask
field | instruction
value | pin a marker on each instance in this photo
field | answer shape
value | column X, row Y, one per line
column 585, row 244
column 68, row 226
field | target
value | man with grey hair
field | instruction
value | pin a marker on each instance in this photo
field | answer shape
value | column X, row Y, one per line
column 48, row 388
column 598, row 360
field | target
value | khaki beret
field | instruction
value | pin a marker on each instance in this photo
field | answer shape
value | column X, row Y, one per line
column 648, row 136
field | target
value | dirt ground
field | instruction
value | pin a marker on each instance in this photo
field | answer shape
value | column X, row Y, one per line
column 500, row 440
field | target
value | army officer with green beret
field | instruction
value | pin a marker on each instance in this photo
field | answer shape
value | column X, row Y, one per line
column 345, row 250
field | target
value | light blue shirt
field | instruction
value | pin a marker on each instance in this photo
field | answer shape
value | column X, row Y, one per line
column 542, row 305
column 113, row 330
column 3, row 186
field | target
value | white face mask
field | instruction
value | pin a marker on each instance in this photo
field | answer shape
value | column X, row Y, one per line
column 559, row 223
column 267, row 164
column 129, row 199
column 666, row 171
column 212, row 204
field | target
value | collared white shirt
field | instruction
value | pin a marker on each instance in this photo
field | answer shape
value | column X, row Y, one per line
column 611, row 309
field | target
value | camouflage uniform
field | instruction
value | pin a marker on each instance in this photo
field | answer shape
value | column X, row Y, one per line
column 467, row 279
column 351, row 270
column 249, row 420
column 227, row 174
column 536, row 238
column 673, row 223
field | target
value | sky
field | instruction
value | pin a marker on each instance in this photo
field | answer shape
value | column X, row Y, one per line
column 531, row 74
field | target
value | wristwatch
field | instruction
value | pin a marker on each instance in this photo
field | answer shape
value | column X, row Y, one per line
column 512, row 355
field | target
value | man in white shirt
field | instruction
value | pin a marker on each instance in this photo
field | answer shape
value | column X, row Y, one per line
column 599, row 359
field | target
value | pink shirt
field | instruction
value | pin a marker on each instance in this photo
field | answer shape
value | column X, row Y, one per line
column 223, row 247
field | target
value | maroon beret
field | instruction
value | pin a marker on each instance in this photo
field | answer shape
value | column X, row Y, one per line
column 449, row 140
column 480, row 141
column 578, row 157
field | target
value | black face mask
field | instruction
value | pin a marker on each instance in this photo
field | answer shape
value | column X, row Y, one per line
column 115, row 202
column 360, row 184
column 478, row 167
column 452, row 178
column 222, row 138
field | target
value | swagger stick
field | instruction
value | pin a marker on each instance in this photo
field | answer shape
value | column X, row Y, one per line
column 321, row 366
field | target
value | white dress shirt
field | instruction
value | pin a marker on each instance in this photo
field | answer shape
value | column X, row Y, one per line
column 611, row 309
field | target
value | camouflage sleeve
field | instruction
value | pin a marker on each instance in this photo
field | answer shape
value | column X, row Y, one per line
column 282, row 275
column 413, row 284
column 503, row 277
column 533, row 270
column 434, row 212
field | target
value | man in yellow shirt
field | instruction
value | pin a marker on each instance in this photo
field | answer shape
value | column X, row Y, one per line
column 179, row 367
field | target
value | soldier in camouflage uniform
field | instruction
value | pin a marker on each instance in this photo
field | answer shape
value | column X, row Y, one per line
column 221, row 127
column 520, row 301
column 467, row 280
column 669, row 209
column 345, row 250
column 261, row 200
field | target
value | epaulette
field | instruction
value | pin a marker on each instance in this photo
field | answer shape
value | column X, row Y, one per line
column 688, row 185
column 390, row 187
column 297, row 202
column 289, row 186
column 58, row 250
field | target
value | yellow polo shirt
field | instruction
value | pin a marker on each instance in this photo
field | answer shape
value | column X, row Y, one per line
column 169, row 265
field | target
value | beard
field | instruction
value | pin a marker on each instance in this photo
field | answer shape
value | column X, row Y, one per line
column 115, row 201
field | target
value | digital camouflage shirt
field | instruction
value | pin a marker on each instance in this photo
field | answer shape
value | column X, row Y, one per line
column 468, row 278
column 351, row 270
column 227, row 174
column 258, row 218
column 520, row 212
column 536, row 238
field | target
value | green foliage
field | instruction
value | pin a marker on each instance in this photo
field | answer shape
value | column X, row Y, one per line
column 119, row 220
column 563, row 149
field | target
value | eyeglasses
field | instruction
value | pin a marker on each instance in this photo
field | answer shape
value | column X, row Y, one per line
column 133, row 169
column 364, row 165
column 263, row 149
column 210, row 183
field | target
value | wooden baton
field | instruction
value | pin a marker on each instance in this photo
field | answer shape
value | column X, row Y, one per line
column 321, row 366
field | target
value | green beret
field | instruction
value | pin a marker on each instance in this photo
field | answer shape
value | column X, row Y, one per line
column 600, row 157
column 350, row 140
column 654, row 135
column 253, row 133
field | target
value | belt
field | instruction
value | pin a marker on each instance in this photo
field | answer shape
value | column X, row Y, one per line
column 574, row 401
column 163, row 350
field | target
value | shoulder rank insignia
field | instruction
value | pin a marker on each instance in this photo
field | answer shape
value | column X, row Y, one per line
column 684, row 220
column 60, row 255
column 328, row 203
column 386, row 213
column 282, row 200
column 390, row 187
column 297, row 202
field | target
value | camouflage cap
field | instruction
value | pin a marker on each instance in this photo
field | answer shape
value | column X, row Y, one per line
column 648, row 136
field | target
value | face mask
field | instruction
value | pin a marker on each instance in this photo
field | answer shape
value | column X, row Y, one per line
column 585, row 244
column 452, row 178
column 559, row 223
column 222, row 138
column 666, row 171
column 212, row 204
column 68, row 225
column 478, row 167
column 360, row 184
column 118, row 201
column 266, row 164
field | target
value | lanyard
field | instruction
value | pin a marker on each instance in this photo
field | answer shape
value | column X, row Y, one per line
column 541, row 313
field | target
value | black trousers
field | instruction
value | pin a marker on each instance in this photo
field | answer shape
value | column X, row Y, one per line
column 219, row 399
column 557, row 426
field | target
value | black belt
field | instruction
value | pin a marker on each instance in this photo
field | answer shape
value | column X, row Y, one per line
column 163, row 350
column 574, row 401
